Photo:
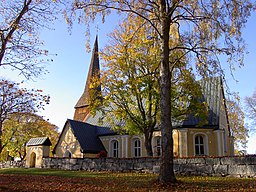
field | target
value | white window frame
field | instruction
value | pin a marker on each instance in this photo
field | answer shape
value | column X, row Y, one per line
column 158, row 146
column 114, row 149
column 136, row 149
column 205, row 144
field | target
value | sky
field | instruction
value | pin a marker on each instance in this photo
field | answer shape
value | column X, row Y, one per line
column 68, row 72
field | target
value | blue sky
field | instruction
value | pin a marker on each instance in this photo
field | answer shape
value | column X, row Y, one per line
column 67, row 73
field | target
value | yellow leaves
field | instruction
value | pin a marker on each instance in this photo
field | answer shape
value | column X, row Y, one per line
column 199, row 65
column 174, row 34
column 236, row 120
column 67, row 19
column 233, row 30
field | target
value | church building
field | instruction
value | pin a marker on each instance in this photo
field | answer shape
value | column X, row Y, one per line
column 83, row 136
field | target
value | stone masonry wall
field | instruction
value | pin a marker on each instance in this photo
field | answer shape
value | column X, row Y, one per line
column 12, row 164
column 244, row 166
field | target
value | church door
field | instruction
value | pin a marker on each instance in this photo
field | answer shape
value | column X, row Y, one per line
column 67, row 154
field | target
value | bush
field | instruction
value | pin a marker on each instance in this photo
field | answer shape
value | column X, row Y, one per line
column 102, row 154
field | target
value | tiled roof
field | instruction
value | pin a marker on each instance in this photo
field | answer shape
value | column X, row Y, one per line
column 88, row 135
column 39, row 141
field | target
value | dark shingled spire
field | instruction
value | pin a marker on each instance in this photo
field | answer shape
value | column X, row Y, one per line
column 94, row 70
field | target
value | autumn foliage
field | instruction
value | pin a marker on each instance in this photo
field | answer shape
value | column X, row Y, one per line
column 16, row 100
column 20, row 45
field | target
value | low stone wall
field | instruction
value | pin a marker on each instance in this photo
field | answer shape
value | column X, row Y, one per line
column 12, row 164
column 102, row 164
column 244, row 166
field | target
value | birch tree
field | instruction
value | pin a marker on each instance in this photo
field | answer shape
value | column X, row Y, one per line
column 130, row 86
column 20, row 44
column 204, row 30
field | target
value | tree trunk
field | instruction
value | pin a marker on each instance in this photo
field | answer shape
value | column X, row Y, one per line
column 1, row 133
column 167, row 175
column 1, row 148
column 148, row 143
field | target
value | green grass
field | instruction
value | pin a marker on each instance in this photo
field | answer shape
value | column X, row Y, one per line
column 48, row 172
column 65, row 180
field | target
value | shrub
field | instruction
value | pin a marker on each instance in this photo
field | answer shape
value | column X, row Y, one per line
column 102, row 154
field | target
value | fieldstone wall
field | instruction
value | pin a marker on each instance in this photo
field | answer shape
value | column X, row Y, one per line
column 12, row 164
column 244, row 166
column 102, row 164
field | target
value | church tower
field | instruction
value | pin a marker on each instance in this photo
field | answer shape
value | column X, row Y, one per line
column 81, row 107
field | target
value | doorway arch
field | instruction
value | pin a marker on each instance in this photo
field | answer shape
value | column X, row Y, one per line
column 67, row 154
column 32, row 159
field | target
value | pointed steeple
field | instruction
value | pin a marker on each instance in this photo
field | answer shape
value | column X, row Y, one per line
column 94, row 71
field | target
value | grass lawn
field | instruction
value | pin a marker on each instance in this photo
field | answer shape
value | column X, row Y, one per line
column 60, row 180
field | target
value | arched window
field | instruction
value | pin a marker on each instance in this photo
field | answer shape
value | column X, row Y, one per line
column 158, row 148
column 136, row 148
column 200, row 145
column 114, row 148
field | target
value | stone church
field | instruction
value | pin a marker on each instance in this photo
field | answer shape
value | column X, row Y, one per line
column 84, row 137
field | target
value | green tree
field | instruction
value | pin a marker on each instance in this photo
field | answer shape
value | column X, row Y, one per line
column 203, row 29
column 237, row 123
column 250, row 104
column 20, row 127
column 20, row 24
column 14, row 99
column 130, row 83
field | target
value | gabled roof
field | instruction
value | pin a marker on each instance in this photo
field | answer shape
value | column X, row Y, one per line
column 212, row 90
column 94, row 70
column 39, row 141
column 88, row 135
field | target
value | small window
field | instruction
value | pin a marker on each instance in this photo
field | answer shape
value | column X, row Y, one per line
column 199, row 145
column 137, row 148
column 158, row 148
column 114, row 147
